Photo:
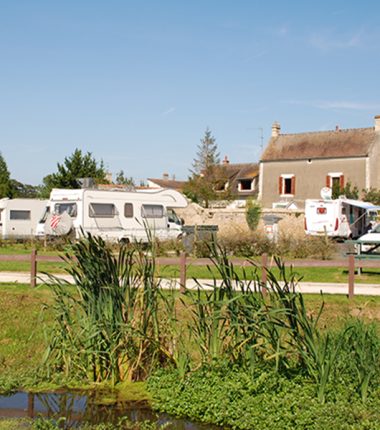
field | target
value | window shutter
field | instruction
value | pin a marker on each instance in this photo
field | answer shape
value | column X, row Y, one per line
column 280, row 185
column 341, row 182
column 328, row 181
column 293, row 185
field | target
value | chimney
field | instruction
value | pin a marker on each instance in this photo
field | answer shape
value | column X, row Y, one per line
column 109, row 177
column 165, row 176
column 226, row 160
column 276, row 128
column 377, row 123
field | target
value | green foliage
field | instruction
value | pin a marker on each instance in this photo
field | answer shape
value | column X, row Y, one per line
column 121, row 179
column 208, row 179
column 21, row 190
column 5, row 181
column 372, row 195
column 252, row 214
column 108, row 330
column 77, row 166
column 207, row 155
column 349, row 191
column 230, row 397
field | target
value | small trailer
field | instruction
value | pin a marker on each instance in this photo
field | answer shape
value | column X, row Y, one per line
column 115, row 215
column 339, row 218
column 19, row 217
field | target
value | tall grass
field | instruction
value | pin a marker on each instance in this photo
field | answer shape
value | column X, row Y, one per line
column 118, row 324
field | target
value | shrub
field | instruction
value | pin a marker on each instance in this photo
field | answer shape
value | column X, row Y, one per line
column 253, row 214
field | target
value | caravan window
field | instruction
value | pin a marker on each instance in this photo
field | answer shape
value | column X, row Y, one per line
column 128, row 210
column 19, row 215
column 152, row 211
column 70, row 208
column 102, row 210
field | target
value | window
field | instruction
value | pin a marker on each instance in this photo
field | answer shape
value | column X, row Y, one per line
column 102, row 210
column 335, row 180
column 152, row 211
column 287, row 185
column 19, row 215
column 245, row 185
column 70, row 208
column 128, row 210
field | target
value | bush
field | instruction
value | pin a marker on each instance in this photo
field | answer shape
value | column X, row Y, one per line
column 253, row 214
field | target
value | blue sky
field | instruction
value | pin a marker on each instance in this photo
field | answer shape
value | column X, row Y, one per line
column 137, row 82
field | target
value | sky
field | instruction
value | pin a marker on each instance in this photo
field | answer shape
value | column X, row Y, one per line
column 137, row 82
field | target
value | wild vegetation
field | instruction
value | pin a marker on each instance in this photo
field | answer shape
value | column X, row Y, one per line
column 237, row 355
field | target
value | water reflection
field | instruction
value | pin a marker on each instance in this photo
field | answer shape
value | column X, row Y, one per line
column 78, row 408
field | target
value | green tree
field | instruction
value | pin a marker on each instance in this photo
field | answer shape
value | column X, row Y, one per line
column 121, row 179
column 208, row 180
column 372, row 195
column 78, row 165
column 5, row 180
column 24, row 190
column 350, row 191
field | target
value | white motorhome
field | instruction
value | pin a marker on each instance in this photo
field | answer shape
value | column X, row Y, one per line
column 114, row 215
column 340, row 218
column 19, row 217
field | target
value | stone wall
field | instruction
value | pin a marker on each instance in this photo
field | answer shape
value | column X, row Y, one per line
column 232, row 221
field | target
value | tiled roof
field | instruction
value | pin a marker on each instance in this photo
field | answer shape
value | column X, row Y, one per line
column 355, row 142
column 169, row 183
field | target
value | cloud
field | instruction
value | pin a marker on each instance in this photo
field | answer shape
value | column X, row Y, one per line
column 330, row 42
column 168, row 111
column 337, row 104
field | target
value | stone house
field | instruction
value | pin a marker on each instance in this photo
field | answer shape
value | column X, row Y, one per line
column 295, row 167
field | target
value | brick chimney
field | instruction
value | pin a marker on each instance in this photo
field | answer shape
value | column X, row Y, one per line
column 377, row 123
column 276, row 128
column 226, row 160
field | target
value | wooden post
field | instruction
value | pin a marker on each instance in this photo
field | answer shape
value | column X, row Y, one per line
column 30, row 405
column 33, row 268
column 264, row 264
column 351, row 275
column 182, row 272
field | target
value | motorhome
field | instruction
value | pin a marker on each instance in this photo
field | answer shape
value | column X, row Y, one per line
column 19, row 217
column 339, row 218
column 114, row 215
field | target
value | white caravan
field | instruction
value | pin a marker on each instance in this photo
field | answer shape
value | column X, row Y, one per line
column 19, row 217
column 340, row 218
column 113, row 215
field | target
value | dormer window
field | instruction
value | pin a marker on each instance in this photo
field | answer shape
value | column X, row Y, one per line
column 245, row 185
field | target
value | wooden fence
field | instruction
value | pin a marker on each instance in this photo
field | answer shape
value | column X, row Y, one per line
column 183, row 262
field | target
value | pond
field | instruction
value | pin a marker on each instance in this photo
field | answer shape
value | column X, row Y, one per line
column 79, row 408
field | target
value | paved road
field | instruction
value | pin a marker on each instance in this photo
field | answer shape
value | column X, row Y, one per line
column 304, row 287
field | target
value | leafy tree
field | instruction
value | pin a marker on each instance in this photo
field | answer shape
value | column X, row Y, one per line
column 372, row 195
column 77, row 166
column 5, row 181
column 208, row 178
column 350, row 191
column 24, row 190
column 121, row 179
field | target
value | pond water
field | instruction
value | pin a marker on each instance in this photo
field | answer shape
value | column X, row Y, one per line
column 78, row 408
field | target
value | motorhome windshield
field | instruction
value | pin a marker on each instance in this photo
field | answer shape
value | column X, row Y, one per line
column 45, row 215
column 70, row 208
column 173, row 217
